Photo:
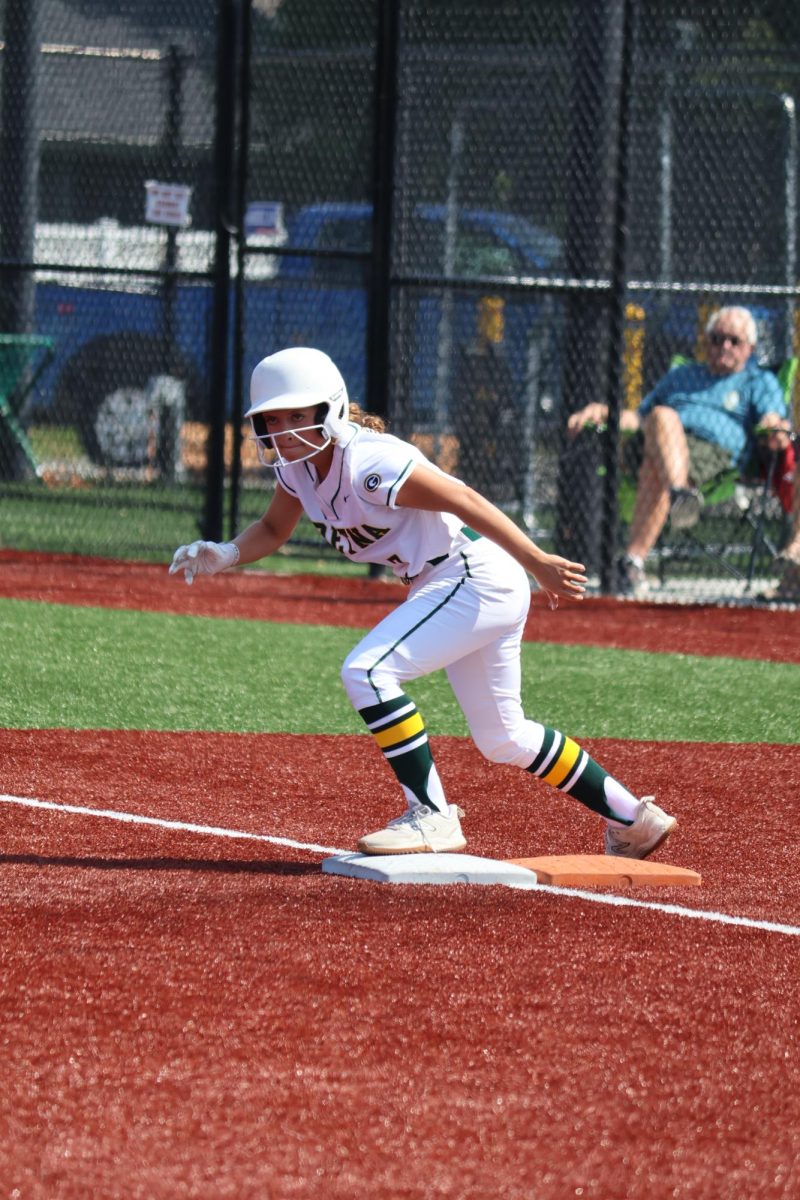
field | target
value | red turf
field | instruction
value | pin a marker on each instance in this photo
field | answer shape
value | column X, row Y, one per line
column 187, row 1016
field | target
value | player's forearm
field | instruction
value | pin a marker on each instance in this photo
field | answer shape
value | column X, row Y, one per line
column 485, row 518
column 270, row 531
column 258, row 541
column 434, row 492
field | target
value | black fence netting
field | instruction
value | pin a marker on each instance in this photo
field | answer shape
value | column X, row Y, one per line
column 106, row 255
column 506, row 223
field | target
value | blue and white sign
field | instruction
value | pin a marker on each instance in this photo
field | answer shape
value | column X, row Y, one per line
column 264, row 218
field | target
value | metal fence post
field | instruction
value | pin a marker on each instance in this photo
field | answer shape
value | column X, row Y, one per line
column 238, row 384
column 619, row 278
column 224, row 160
column 597, row 64
column 19, row 154
column 379, row 295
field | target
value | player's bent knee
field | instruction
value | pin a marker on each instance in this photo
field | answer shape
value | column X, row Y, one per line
column 366, row 684
column 355, row 680
column 506, row 748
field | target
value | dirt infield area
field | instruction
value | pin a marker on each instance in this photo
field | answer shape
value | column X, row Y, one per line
column 769, row 634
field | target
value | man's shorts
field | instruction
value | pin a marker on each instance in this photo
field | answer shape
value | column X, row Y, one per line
column 706, row 459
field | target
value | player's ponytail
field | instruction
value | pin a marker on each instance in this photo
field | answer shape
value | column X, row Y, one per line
column 357, row 415
column 369, row 421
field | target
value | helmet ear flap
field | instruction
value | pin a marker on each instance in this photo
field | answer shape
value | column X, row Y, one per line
column 334, row 421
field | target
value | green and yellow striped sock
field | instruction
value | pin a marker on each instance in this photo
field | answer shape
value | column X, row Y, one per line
column 399, row 730
column 563, row 764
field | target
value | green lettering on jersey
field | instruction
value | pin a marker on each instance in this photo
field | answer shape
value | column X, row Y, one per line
column 350, row 540
column 374, row 532
column 361, row 540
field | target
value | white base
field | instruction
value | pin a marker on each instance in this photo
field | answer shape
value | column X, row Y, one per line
column 429, row 868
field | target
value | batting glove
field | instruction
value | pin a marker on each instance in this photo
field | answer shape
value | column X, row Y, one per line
column 204, row 558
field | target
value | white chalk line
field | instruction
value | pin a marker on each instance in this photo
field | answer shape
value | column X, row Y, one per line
column 677, row 910
column 136, row 819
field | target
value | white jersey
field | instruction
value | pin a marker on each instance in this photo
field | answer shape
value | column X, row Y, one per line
column 355, row 506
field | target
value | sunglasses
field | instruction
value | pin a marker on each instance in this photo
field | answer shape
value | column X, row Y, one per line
column 719, row 339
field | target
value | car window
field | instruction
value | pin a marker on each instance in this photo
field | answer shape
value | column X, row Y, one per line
column 425, row 245
column 476, row 251
column 347, row 233
column 344, row 234
column 479, row 253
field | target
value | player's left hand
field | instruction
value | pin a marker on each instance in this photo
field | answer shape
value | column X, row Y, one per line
column 558, row 576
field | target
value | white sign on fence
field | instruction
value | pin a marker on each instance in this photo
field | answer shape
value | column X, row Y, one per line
column 167, row 203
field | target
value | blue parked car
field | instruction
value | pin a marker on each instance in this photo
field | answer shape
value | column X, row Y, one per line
column 321, row 301
column 110, row 367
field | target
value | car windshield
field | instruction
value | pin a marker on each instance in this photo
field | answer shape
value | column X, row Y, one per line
column 486, row 243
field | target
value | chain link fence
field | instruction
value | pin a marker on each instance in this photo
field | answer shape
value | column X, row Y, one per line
column 104, row 314
column 490, row 216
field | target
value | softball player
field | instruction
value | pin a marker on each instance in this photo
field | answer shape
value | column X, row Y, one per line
column 377, row 499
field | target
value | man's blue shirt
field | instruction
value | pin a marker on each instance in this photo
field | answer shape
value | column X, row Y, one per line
column 719, row 408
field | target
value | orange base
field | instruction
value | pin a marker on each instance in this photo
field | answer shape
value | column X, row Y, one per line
column 602, row 870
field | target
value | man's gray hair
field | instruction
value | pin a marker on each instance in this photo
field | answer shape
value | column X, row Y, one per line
column 750, row 327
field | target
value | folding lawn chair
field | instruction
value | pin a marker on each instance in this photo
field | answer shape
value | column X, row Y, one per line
column 23, row 357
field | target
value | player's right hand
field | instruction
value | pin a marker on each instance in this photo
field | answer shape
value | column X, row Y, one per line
column 203, row 558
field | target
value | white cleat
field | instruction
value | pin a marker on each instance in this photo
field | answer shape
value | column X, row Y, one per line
column 651, row 827
column 419, row 830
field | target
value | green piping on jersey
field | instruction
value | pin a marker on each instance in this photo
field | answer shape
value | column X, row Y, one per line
column 411, row 463
column 418, row 625
column 335, row 497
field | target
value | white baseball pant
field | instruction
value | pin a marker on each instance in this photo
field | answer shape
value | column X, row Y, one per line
column 465, row 615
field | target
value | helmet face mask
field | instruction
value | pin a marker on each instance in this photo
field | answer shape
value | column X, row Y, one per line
column 294, row 380
column 268, row 445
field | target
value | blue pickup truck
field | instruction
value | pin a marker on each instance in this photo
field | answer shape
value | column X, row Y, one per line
column 110, row 343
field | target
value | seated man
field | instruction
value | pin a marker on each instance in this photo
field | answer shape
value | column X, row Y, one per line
column 697, row 421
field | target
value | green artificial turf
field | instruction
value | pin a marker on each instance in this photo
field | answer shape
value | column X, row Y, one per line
column 142, row 522
column 85, row 668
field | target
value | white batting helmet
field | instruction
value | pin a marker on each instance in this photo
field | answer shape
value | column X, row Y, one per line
column 297, row 378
